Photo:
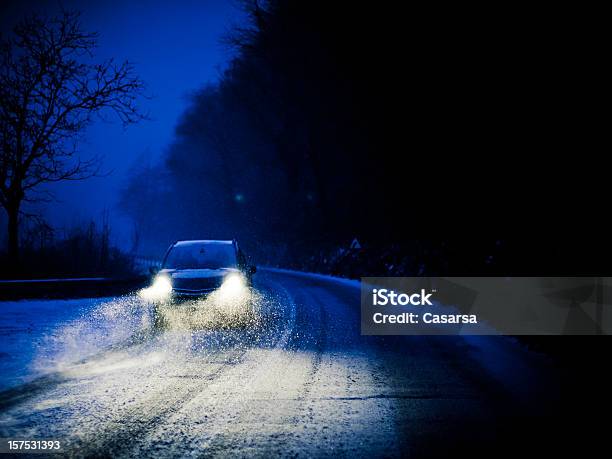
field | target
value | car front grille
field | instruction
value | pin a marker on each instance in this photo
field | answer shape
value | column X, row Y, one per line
column 196, row 284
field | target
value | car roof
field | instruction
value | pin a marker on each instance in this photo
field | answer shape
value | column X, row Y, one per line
column 202, row 241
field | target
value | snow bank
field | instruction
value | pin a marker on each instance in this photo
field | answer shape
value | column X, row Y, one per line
column 325, row 277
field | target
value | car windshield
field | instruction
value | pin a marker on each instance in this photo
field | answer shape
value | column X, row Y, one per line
column 201, row 256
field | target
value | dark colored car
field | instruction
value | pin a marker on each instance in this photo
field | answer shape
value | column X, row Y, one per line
column 194, row 269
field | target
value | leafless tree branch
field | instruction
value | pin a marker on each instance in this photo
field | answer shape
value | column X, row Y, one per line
column 50, row 92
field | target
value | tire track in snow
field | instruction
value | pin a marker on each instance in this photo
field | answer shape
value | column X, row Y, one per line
column 131, row 435
column 119, row 435
column 201, row 421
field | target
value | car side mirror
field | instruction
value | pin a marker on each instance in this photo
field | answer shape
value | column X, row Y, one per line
column 153, row 270
column 252, row 269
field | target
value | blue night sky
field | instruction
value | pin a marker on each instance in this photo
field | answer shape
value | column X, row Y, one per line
column 176, row 49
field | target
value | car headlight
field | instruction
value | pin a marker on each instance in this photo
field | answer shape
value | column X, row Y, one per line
column 160, row 289
column 233, row 286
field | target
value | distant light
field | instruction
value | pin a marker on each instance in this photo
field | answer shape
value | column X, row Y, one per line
column 161, row 288
column 239, row 197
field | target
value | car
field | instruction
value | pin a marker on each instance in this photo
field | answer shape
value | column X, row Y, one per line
column 196, row 268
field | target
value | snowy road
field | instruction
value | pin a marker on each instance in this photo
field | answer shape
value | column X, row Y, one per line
column 301, row 381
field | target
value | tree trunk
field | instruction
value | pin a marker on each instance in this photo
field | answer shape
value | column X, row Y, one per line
column 13, row 234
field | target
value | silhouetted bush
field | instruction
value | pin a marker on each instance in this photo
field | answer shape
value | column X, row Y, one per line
column 83, row 252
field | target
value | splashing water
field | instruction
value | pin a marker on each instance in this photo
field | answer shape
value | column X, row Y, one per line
column 120, row 332
column 111, row 323
column 213, row 312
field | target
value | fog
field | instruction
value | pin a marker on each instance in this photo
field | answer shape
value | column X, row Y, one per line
column 176, row 50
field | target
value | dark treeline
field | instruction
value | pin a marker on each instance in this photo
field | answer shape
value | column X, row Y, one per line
column 427, row 134
column 82, row 251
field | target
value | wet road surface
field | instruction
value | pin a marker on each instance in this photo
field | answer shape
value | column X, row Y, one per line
column 299, row 380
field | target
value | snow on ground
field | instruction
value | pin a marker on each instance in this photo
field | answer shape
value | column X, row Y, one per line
column 38, row 336
column 303, row 383
column 326, row 277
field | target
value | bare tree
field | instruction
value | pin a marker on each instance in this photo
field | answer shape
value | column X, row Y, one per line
column 50, row 91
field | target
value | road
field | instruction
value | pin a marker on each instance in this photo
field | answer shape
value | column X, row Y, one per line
column 298, row 381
